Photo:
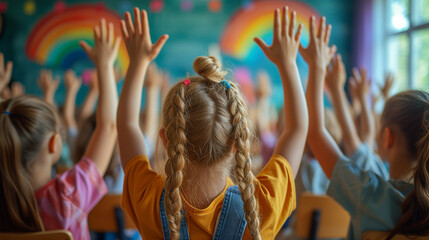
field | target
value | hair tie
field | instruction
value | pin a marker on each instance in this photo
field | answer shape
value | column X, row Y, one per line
column 6, row 112
column 187, row 81
column 226, row 84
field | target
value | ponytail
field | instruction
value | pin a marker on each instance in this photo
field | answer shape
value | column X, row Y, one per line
column 415, row 208
column 22, row 130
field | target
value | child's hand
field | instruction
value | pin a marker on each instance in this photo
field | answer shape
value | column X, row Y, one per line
column 5, row 73
column 388, row 82
column 17, row 89
column 336, row 74
column 137, row 38
column 360, row 83
column 47, row 83
column 106, row 46
column 285, row 44
column 72, row 83
column 318, row 54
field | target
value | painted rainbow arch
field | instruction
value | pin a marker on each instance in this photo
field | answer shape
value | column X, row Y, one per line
column 256, row 20
column 54, row 40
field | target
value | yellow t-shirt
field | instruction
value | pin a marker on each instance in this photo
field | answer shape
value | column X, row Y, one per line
column 274, row 191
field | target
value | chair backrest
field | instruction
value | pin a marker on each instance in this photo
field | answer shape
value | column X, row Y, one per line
column 46, row 235
column 333, row 220
column 379, row 235
column 104, row 217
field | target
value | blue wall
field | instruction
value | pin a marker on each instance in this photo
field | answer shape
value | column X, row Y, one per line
column 190, row 35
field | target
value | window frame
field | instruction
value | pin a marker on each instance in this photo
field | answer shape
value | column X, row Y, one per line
column 408, row 32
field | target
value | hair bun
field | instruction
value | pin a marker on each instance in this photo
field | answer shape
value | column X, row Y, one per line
column 209, row 68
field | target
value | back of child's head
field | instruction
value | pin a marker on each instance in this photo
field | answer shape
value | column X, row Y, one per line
column 409, row 112
column 205, row 121
column 25, row 122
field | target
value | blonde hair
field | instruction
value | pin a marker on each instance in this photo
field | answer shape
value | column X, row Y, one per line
column 203, row 121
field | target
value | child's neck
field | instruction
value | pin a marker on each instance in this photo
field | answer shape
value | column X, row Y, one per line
column 202, row 184
column 41, row 171
column 401, row 167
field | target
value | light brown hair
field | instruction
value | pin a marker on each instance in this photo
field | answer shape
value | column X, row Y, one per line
column 29, row 121
column 409, row 111
column 203, row 122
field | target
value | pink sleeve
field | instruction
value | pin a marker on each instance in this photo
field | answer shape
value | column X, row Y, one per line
column 83, row 185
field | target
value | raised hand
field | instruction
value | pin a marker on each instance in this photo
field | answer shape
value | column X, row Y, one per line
column 153, row 77
column 359, row 83
column 318, row 54
column 264, row 85
column 5, row 73
column 106, row 45
column 386, row 87
column 48, row 85
column 336, row 74
column 72, row 83
column 138, row 40
column 284, row 48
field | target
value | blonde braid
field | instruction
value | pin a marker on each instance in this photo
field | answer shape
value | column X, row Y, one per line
column 242, row 169
column 175, row 131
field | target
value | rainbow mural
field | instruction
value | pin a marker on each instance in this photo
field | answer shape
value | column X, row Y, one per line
column 54, row 40
column 256, row 20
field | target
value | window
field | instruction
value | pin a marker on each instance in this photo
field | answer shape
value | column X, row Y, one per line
column 406, row 48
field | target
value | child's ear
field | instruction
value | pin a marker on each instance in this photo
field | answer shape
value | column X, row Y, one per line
column 389, row 137
column 55, row 143
column 162, row 136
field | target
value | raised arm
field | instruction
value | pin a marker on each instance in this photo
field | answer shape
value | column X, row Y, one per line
column 151, row 111
column 283, row 54
column 336, row 79
column 88, row 105
column 72, row 84
column 367, row 125
column 48, row 85
column 5, row 72
column 103, row 54
column 141, row 51
column 318, row 54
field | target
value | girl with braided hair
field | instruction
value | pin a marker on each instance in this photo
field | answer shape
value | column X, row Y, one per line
column 205, row 131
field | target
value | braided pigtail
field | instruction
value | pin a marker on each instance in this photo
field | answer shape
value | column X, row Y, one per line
column 242, row 169
column 175, row 133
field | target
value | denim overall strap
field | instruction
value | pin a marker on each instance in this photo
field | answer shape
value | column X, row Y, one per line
column 231, row 223
column 184, row 235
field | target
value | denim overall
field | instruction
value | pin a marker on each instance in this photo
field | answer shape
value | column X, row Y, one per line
column 231, row 222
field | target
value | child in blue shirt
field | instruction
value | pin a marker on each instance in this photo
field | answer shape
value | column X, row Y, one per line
column 399, row 205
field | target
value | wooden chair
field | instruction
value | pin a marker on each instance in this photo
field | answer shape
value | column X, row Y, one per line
column 379, row 235
column 320, row 216
column 108, row 216
column 46, row 235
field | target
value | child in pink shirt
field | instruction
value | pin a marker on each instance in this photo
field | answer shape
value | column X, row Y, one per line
column 30, row 144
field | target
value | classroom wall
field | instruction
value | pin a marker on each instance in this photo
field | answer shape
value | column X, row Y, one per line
column 191, row 33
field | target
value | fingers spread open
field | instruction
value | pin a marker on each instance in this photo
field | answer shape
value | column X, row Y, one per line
column 97, row 34
column 111, row 33
column 85, row 47
column 264, row 47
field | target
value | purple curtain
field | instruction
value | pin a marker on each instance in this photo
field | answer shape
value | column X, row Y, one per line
column 362, row 36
